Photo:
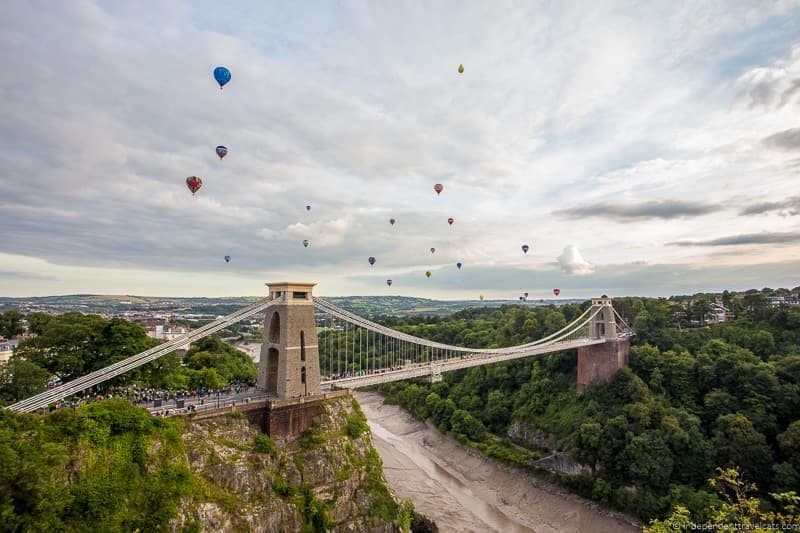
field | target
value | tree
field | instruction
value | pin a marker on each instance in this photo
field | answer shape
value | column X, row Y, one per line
column 789, row 442
column 21, row 379
column 736, row 506
column 649, row 460
column 738, row 443
column 699, row 309
column 554, row 321
column 463, row 423
column 205, row 377
column 586, row 444
column 497, row 412
column 10, row 323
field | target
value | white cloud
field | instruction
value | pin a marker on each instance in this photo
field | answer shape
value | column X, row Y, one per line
column 573, row 263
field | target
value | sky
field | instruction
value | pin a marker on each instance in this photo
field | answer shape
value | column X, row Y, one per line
column 638, row 148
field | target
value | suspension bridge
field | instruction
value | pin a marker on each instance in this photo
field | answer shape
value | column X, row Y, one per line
column 310, row 345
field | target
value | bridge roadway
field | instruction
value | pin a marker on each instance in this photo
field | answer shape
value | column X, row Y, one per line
column 435, row 368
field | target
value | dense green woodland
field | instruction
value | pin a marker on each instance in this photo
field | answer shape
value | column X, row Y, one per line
column 106, row 466
column 693, row 399
column 74, row 344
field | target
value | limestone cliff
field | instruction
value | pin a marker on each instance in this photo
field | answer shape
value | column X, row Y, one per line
column 328, row 479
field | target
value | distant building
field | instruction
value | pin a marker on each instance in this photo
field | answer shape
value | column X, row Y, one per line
column 173, row 332
column 7, row 348
column 718, row 314
column 777, row 301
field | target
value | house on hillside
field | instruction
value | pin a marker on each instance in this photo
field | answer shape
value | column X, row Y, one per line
column 719, row 314
column 7, row 348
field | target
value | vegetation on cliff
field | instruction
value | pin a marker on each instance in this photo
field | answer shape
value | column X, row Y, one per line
column 106, row 466
column 109, row 466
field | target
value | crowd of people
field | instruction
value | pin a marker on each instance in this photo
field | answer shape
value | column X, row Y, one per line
column 155, row 397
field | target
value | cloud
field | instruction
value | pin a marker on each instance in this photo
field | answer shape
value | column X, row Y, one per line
column 772, row 87
column 788, row 207
column 661, row 209
column 573, row 263
column 750, row 238
column 788, row 140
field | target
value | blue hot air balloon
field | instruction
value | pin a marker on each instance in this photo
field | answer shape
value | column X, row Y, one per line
column 308, row 208
column 222, row 151
column 222, row 75
column 458, row 265
column 227, row 259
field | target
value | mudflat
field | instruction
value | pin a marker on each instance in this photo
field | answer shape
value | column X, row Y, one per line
column 464, row 491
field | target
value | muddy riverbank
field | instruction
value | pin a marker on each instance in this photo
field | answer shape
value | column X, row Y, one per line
column 464, row 491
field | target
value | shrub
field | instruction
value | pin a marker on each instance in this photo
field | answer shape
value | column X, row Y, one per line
column 264, row 444
column 356, row 425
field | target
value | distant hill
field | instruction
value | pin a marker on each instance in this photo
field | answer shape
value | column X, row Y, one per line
column 403, row 305
column 363, row 305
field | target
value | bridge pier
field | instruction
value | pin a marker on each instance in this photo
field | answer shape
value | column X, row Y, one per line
column 289, row 365
column 599, row 362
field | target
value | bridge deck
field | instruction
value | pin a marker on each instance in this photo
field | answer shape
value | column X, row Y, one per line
column 430, row 369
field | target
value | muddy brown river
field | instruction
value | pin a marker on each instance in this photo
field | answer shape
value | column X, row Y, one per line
column 464, row 491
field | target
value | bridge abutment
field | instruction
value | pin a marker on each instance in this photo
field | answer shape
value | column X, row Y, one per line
column 599, row 362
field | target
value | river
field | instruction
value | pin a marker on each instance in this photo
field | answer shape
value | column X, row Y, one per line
column 464, row 491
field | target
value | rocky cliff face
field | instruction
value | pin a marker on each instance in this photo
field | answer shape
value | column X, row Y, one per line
column 328, row 479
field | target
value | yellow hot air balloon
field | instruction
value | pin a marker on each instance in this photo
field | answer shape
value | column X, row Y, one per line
column 481, row 297
column 461, row 69
column 428, row 273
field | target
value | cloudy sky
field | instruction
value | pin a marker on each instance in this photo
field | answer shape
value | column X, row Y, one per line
column 638, row 147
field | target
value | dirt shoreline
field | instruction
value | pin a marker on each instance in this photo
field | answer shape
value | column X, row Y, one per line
column 463, row 490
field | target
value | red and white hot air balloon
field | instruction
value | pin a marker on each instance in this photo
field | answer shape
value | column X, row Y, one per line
column 438, row 188
column 194, row 183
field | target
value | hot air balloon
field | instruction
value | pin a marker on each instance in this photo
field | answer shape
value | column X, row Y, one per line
column 461, row 69
column 222, row 75
column 428, row 273
column 438, row 188
column 556, row 291
column 481, row 297
column 521, row 298
column 392, row 221
column 450, row 221
column 541, row 300
column 526, row 294
column 194, row 183
column 389, row 282
column 308, row 208
column 433, row 250
column 222, row 151
column 458, row 265
column 525, row 248
column 371, row 260
column 227, row 259
column 305, row 243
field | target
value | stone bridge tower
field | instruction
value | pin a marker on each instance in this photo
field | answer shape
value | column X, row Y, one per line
column 599, row 362
column 289, row 366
